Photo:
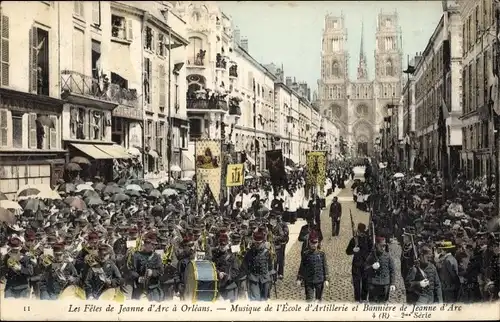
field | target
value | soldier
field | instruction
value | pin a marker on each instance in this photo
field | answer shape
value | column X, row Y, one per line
column 306, row 230
column 147, row 268
column 381, row 273
column 18, row 271
column 102, row 273
column 184, row 255
column 258, row 266
column 89, row 247
column 423, row 280
column 407, row 262
column 33, row 252
column 335, row 215
column 313, row 270
column 239, row 249
column 57, row 275
column 227, row 269
column 281, row 236
column 359, row 247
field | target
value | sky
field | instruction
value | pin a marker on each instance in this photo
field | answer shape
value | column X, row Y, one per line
column 290, row 33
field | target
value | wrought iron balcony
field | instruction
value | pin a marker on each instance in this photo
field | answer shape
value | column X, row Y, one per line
column 76, row 83
column 206, row 104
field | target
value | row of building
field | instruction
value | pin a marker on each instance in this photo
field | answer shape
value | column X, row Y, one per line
column 454, row 79
column 109, row 80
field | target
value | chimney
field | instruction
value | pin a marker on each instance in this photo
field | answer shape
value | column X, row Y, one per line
column 244, row 44
column 236, row 35
column 288, row 81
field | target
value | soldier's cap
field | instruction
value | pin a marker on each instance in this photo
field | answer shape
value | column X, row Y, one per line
column 379, row 239
column 103, row 248
column 258, row 236
column 223, row 239
column 93, row 236
column 235, row 237
column 313, row 237
column 29, row 235
column 58, row 248
column 445, row 245
column 15, row 243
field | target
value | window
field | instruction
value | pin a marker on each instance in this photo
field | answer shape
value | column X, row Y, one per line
column 4, row 50
column 78, row 60
column 195, row 128
column 49, row 133
column 39, row 61
column 335, row 69
column 121, row 28
column 161, row 45
column 96, row 59
column 389, row 69
column 78, row 8
column 162, row 85
column 17, row 130
column 196, row 54
column 387, row 22
column 96, row 13
column 4, row 128
column 149, row 37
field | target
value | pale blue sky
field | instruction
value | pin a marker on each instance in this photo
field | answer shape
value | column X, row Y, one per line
column 290, row 32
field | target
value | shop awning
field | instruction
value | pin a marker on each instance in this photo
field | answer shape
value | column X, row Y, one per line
column 187, row 161
column 115, row 150
column 93, row 151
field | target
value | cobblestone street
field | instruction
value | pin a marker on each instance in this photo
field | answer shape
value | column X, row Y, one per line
column 340, row 289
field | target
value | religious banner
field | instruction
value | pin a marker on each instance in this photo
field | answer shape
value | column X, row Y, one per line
column 235, row 175
column 316, row 169
column 208, row 167
column 276, row 167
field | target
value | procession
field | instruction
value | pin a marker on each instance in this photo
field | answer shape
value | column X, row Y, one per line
column 182, row 169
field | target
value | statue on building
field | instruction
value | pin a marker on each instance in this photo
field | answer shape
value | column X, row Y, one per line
column 40, row 134
column 73, row 121
column 146, row 87
column 200, row 57
column 97, row 125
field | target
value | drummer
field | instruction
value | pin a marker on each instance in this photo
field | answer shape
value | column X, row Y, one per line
column 227, row 268
column 102, row 275
column 57, row 275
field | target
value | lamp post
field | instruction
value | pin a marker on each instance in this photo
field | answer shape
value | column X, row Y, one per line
column 410, row 70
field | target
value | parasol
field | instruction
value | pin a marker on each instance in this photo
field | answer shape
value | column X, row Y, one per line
column 112, row 189
column 80, row 160
column 135, row 187
column 91, row 194
column 94, row 201
column 66, row 187
column 76, row 202
column 7, row 216
column 134, row 193
column 45, row 120
column 119, row 197
column 34, row 205
column 10, row 205
column 155, row 193
column 72, row 166
column 169, row 192
column 49, row 194
column 99, row 186
column 398, row 175
column 82, row 187
column 28, row 191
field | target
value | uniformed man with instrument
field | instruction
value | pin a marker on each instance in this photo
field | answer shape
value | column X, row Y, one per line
column 359, row 247
column 90, row 247
column 280, row 232
column 147, row 270
column 57, row 274
column 170, row 278
column 313, row 270
column 227, row 268
column 33, row 252
column 18, row 271
column 381, row 273
column 239, row 248
column 258, row 267
column 102, row 273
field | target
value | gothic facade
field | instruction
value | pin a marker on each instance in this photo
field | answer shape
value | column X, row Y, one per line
column 358, row 107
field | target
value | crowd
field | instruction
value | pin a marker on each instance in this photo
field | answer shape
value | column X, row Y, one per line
column 132, row 240
column 450, row 246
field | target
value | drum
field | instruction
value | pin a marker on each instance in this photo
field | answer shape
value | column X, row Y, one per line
column 201, row 281
column 112, row 294
column 72, row 292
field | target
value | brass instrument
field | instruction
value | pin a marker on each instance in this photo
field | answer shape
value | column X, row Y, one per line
column 204, row 240
column 12, row 262
column 272, row 250
column 167, row 255
column 46, row 260
column 243, row 249
column 91, row 260
column 137, row 247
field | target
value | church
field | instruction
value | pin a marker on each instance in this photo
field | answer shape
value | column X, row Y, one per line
column 358, row 107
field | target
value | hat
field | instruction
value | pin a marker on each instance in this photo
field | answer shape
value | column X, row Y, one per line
column 150, row 237
column 258, row 236
column 93, row 236
column 235, row 238
column 446, row 245
column 132, row 230
column 29, row 235
column 58, row 248
column 15, row 243
column 379, row 239
column 103, row 248
column 313, row 237
column 223, row 239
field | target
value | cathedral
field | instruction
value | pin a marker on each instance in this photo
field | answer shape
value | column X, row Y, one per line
column 358, row 107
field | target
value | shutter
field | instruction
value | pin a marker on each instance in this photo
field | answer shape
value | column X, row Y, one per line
column 33, row 59
column 5, row 60
column 161, row 84
column 32, row 131
column 150, row 76
column 3, row 127
column 130, row 33
column 53, row 133
column 153, row 40
column 96, row 12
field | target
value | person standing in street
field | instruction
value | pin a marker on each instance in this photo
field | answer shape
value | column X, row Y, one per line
column 258, row 265
column 381, row 273
column 313, row 270
column 359, row 248
column 335, row 214
column 422, row 281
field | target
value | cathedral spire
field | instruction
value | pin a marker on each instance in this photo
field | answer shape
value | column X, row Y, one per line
column 362, row 73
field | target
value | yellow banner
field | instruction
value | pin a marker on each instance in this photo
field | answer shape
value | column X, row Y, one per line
column 316, row 169
column 208, row 168
column 235, row 175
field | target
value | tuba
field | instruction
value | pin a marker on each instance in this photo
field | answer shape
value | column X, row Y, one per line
column 13, row 261
column 46, row 260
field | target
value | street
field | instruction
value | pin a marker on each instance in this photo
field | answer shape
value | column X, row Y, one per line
column 340, row 289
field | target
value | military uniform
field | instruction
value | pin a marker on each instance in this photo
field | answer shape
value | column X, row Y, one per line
column 239, row 249
column 422, row 282
column 102, row 276
column 18, row 271
column 281, row 237
column 258, row 267
column 57, row 276
column 364, row 246
column 227, row 269
column 381, row 273
column 313, row 270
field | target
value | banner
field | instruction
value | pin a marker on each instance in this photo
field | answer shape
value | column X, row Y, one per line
column 316, row 169
column 276, row 167
column 235, row 175
column 208, row 168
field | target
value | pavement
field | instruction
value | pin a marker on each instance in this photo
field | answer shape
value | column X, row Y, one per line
column 340, row 289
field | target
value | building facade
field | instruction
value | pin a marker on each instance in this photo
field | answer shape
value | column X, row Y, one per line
column 358, row 107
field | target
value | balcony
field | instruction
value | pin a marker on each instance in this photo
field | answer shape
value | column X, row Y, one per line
column 220, row 62
column 197, row 61
column 233, row 71
column 206, row 104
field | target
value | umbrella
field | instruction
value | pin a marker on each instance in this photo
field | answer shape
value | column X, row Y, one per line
column 94, row 201
column 80, row 160
column 72, row 166
column 49, row 194
column 27, row 192
column 7, row 216
column 66, row 187
column 135, row 187
column 119, row 197
column 83, row 187
column 179, row 186
column 3, row 196
column 169, row 192
column 134, row 193
column 9, row 204
column 155, row 193
column 99, row 186
column 186, row 179
column 76, row 202
column 398, row 175
column 111, row 190
column 34, row 205
column 90, row 194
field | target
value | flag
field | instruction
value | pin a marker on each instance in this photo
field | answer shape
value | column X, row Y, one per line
column 444, row 109
column 276, row 167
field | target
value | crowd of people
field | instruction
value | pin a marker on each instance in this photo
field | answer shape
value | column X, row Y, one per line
column 131, row 240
